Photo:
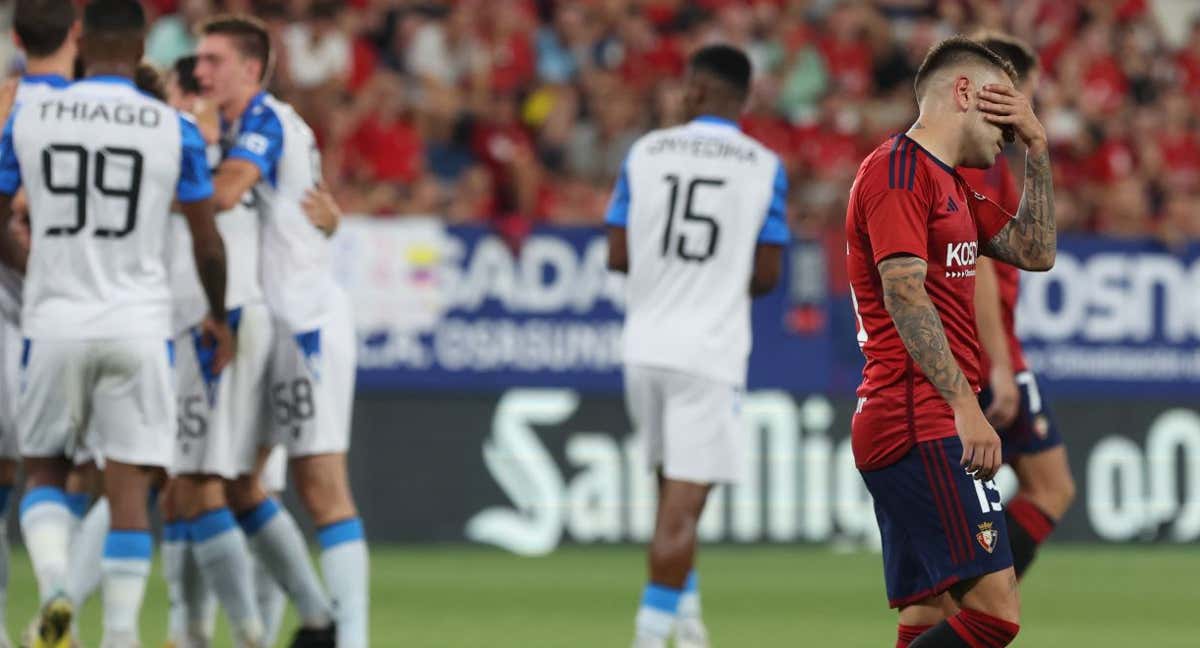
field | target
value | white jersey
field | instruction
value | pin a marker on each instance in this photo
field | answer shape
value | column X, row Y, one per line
column 239, row 229
column 296, row 262
column 695, row 201
column 30, row 87
column 101, row 163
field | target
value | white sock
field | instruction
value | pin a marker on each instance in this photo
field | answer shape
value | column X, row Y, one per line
column 656, row 615
column 199, row 602
column 689, row 602
column 125, row 567
column 224, row 559
column 79, row 504
column 344, row 563
column 46, row 527
column 173, row 550
column 87, row 554
column 278, row 542
column 272, row 602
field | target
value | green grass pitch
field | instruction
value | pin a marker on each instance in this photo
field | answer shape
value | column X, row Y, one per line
column 753, row 596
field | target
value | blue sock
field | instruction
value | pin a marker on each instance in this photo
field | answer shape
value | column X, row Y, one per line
column 79, row 503
column 256, row 518
column 209, row 525
column 656, row 616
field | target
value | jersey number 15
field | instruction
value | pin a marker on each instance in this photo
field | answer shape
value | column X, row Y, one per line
column 681, row 247
column 127, row 157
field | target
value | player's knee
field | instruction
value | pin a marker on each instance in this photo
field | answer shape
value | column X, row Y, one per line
column 323, row 488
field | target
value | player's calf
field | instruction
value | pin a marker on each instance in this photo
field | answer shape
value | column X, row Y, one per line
column 324, row 487
column 671, row 556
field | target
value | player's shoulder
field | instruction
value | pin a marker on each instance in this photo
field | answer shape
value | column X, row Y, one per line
column 898, row 164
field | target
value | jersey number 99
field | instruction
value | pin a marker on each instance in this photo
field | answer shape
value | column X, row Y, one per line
column 128, row 158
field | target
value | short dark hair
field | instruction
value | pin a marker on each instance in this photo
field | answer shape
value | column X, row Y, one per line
column 43, row 25
column 957, row 50
column 148, row 80
column 249, row 35
column 725, row 62
column 1014, row 50
column 185, row 74
column 114, row 16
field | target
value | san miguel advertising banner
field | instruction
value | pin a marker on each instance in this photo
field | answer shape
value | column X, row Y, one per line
column 490, row 392
column 528, row 470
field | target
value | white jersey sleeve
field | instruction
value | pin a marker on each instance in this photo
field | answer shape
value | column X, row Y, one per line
column 296, row 258
column 696, row 201
column 101, row 164
column 30, row 87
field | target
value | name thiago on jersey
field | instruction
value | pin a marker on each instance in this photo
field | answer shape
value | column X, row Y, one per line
column 123, row 114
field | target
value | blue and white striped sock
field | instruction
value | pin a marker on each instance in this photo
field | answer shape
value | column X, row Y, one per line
column 656, row 616
column 278, row 542
column 344, row 563
column 125, row 567
column 689, row 603
column 224, row 559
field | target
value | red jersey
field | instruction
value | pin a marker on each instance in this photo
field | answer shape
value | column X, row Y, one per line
column 998, row 185
column 906, row 202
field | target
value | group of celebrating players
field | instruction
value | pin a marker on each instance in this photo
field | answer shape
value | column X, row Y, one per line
column 697, row 222
column 172, row 322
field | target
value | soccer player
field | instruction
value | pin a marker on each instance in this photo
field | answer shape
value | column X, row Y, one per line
column 914, row 229
column 103, row 163
column 48, row 33
column 697, row 222
column 1010, row 396
column 272, row 151
column 220, row 415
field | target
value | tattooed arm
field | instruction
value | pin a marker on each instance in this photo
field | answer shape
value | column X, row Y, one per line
column 920, row 328
column 1028, row 241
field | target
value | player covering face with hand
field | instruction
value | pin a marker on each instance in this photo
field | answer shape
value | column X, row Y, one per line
column 914, row 230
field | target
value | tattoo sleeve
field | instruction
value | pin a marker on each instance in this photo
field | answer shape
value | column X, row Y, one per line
column 919, row 325
column 1029, row 241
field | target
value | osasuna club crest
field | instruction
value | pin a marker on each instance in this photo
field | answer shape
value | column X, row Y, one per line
column 987, row 537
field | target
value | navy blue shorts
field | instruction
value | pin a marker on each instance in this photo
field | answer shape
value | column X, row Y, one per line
column 939, row 525
column 1034, row 430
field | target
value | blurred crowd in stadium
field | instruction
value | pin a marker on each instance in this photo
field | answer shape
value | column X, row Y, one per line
column 520, row 111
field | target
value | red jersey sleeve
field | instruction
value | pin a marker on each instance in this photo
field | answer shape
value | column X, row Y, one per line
column 990, row 217
column 897, row 223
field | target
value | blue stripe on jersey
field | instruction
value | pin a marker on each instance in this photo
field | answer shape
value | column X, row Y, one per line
column 775, row 230
column 715, row 121
column 260, row 138
column 618, row 205
column 10, row 167
column 892, row 162
column 26, row 345
column 195, row 181
column 903, row 156
column 912, row 169
column 52, row 80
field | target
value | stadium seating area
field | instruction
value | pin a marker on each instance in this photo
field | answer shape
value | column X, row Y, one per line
column 521, row 111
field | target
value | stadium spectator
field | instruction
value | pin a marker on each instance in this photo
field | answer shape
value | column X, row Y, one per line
column 518, row 111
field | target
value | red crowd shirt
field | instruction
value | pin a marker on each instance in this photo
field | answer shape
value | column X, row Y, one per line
column 906, row 202
column 998, row 184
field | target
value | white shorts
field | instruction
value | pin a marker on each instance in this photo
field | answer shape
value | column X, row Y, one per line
column 122, row 388
column 691, row 425
column 312, row 387
column 11, row 345
column 221, row 419
column 274, row 474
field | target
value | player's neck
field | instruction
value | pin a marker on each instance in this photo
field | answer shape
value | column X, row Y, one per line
column 941, row 142
column 231, row 111
column 54, row 64
column 111, row 69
